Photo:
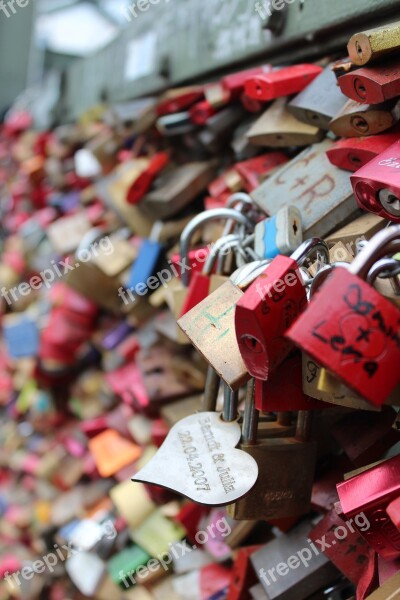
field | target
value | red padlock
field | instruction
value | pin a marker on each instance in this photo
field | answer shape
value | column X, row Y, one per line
column 282, row 82
column 372, row 85
column 344, row 546
column 351, row 329
column 234, row 83
column 353, row 153
column 367, row 496
column 243, row 576
column 179, row 100
column 201, row 112
column 269, row 307
column 376, row 185
column 254, row 171
column 143, row 183
column 374, row 435
column 283, row 392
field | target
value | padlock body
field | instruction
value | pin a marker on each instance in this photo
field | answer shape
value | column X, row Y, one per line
column 284, row 390
column 145, row 264
column 284, row 485
column 370, row 493
column 372, row 85
column 381, row 173
column 319, row 102
column 267, row 309
column 353, row 153
column 282, row 82
column 280, row 234
column 353, row 331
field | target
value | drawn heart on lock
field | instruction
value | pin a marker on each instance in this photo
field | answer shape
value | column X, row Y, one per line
column 364, row 337
column 199, row 460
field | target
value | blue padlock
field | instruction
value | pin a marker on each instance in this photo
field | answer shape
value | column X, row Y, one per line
column 21, row 336
column 145, row 264
column 280, row 234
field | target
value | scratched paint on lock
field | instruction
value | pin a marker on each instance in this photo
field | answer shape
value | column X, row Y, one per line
column 354, row 334
column 321, row 192
column 210, row 326
column 199, row 459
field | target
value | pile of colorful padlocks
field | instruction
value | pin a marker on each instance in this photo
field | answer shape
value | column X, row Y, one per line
column 199, row 296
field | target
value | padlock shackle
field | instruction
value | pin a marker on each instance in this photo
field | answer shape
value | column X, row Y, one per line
column 239, row 197
column 231, row 401
column 322, row 275
column 211, row 389
column 201, row 219
column 304, row 425
column 224, row 243
column 378, row 247
column 250, row 415
column 379, row 268
column 310, row 247
column 244, row 276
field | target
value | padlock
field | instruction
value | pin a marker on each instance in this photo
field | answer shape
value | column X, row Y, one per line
column 360, row 346
column 201, row 112
column 255, row 170
column 211, row 471
column 178, row 99
column 219, row 128
column 353, row 153
column 175, row 124
column 319, row 102
column 244, row 576
column 284, row 390
column 269, row 307
column 369, row 494
column 361, row 229
column 372, row 85
column 358, row 120
column 373, row 44
column 280, row 234
column 349, row 554
column 322, row 193
column 384, row 275
column 283, row 493
column 306, row 573
column 375, row 435
column 142, row 184
column 278, row 128
column 200, row 283
column 234, row 83
column 146, row 261
column 375, row 185
column 212, row 322
column 216, row 95
column 322, row 385
column 342, row 66
column 177, row 189
column 281, row 82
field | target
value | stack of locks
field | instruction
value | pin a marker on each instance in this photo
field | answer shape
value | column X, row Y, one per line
column 198, row 295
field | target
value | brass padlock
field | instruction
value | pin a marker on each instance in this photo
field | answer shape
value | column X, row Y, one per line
column 286, row 469
column 358, row 120
column 277, row 128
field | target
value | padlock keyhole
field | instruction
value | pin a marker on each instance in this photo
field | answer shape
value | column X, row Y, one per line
column 295, row 228
column 252, row 344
